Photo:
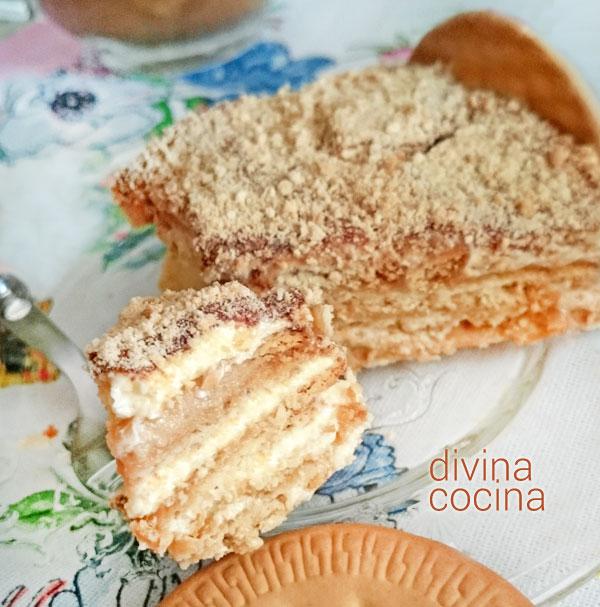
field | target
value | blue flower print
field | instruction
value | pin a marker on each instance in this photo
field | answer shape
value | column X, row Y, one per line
column 263, row 68
column 374, row 464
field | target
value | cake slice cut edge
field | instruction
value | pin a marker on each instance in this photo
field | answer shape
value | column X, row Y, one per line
column 226, row 454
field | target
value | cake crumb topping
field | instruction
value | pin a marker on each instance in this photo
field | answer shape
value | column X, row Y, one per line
column 363, row 161
column 151, row 329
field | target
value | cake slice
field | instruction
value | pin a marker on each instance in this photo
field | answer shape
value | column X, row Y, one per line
column 428, row 203
column 226, row 410
column 431, row 216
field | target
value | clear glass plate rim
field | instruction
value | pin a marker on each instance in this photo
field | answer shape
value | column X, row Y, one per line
column 410, row 482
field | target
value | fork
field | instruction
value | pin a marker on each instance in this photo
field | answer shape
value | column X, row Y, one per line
column 90, row 458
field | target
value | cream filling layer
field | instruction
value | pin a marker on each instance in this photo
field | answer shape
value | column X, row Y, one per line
column 261, row 462
column 160, row 482
column 242, row 522
column 263, row 468
column 144, row 396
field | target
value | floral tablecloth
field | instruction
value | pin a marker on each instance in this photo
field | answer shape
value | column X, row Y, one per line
column 66, row 121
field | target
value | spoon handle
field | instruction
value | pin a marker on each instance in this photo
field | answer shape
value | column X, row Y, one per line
column 21, row 316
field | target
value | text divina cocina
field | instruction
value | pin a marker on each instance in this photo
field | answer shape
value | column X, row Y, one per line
column 470, row 494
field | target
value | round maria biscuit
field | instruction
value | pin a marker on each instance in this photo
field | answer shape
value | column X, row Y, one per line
column 347, row 565
column 486, row 50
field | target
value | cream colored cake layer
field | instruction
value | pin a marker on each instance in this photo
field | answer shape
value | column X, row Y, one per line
column 158, row 482
column 286, row 476
column 254, row 466
column 261, row 512
column 490, row 299
column 139, row 443
column 522, row 308
column 426, row 346
column 144, row 396
column 416, row 319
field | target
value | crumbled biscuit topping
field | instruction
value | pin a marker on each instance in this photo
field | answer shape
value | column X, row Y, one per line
column 363, row 161
column 152, row 328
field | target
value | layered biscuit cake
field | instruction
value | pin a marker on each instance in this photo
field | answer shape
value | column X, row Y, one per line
column 431, row 216
column 226, row 410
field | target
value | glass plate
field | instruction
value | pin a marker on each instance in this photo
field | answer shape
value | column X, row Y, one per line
column 490, row 399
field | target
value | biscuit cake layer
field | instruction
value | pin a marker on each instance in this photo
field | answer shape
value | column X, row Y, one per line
column 393, row 178
column 243, row 407
column 391, row 324
column 269, row 471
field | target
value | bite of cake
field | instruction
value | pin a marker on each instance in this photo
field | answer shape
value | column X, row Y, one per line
column 226, row 410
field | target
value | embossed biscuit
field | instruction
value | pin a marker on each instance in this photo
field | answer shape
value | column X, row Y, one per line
column 486, row 50
column 347, row 565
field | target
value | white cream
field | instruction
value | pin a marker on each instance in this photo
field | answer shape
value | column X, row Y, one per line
column 260, row 460
column 144, row 396
column 261, row 464
column 160, row 482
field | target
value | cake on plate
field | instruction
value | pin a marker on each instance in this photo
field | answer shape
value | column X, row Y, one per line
column 432, row 215
column 226, row 410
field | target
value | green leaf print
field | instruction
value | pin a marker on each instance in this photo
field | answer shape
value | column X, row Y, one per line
column 166, row 117
column 117, row 240
column 149, row 255
column 166, row 113
column 49, row 508
column 192, row 102
column 117, row 249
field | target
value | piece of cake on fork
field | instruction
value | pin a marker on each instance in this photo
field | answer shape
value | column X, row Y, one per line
column 226, row 410
column 431, row 215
